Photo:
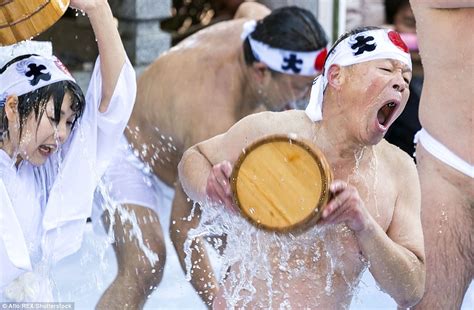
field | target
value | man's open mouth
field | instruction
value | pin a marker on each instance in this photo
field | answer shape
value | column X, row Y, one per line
column 386, row 113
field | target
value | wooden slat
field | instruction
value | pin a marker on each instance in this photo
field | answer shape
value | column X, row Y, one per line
column 24, row 19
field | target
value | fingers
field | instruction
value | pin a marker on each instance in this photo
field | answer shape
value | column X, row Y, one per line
column 222, row 173
column 214, row 190
column 226, row 167
column 339, row 196
column 337, row 186
column 344, row 201
column 335, row 204
column 218, row 186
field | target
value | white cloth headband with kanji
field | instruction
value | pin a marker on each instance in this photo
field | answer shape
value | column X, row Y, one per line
column 360, row 47
column 284, row 61
column 29, row 74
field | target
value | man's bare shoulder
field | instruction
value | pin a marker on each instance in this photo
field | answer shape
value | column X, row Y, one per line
column 397, row 161
column 286, row 120
column 259, row 125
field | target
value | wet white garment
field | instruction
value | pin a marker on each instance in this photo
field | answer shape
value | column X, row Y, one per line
column 441, row 152
column 43, row 209
column 128, row 180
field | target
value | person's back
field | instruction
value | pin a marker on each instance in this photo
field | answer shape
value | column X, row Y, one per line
column 174, row 100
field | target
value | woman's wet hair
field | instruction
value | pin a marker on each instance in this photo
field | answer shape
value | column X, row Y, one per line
column 290, row 28
column 35, row 101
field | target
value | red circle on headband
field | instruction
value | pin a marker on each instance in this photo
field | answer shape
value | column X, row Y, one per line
column 319, row 61
column 397, row 41
column 61, row 66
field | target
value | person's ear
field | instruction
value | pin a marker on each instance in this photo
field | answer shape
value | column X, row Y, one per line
column 11, row 108
column 335, row 76
column 261, row 71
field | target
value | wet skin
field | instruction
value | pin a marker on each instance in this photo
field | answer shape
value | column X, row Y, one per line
column 198, row 105
column 446, row 114
column 371, row 219
column 40, row 137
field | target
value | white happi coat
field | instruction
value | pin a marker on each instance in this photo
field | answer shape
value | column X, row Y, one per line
column 43, row 209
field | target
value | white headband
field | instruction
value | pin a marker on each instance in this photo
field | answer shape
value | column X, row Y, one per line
column 360, row 47
column 31, row 73
column 9, row 52
column 284, row 61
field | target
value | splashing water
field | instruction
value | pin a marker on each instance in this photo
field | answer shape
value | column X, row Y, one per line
column 374, row 167
column 268, row 269
column 125, row 216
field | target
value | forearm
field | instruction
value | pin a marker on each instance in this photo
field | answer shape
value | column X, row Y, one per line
column 193, row 169
column 398, row 271
column 111, row 50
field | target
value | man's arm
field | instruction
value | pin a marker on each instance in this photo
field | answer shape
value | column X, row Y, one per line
column 198, row 162
column 213, row 158
column 444, row 4
column 397, row 257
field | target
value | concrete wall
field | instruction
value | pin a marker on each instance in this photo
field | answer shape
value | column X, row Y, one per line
column 139, row 27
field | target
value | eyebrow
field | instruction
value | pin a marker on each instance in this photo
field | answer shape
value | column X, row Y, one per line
column 405, row 67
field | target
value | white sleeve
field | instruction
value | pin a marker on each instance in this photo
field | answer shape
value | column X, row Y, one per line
column 14, row 256
column 112, row 123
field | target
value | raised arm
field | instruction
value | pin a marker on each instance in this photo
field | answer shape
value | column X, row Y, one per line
column 111, row 50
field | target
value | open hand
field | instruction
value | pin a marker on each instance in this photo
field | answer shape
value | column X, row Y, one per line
column 218, row 184
column 345, row 206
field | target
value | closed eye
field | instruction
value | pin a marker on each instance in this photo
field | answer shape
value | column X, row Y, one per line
column 385, row 69
column 53, row 120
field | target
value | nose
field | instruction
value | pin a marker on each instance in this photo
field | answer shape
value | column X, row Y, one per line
column 399, row 83
column 61, row 133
